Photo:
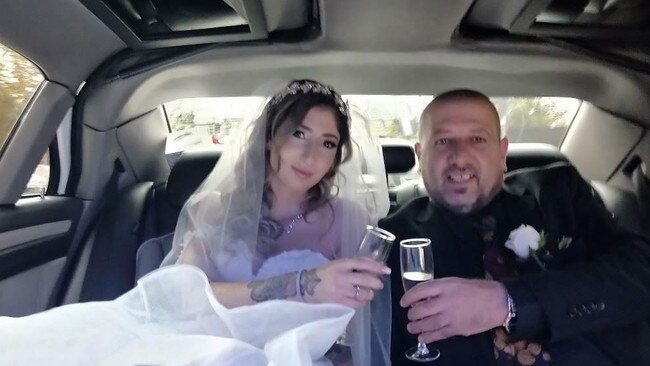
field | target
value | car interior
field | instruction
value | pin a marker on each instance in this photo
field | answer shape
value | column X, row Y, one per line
column 109, row 69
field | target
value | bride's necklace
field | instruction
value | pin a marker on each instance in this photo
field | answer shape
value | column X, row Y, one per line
column 293, row 222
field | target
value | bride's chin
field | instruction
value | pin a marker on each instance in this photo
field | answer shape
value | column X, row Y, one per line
column 301, row 191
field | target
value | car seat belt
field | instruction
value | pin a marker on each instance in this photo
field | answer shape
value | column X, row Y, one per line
column 641, row 184
column 74, row 253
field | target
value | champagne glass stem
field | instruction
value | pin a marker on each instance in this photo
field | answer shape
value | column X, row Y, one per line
column 422, row 349
column 422, row 354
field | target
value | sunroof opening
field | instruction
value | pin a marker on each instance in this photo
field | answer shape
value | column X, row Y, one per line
column 169, row 23
column 199, row 15
column 631, row 14
column 167, row 17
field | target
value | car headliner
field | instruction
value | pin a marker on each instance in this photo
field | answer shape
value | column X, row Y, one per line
column 366, row 46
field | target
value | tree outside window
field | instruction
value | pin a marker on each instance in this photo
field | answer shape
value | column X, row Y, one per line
column 19, row 79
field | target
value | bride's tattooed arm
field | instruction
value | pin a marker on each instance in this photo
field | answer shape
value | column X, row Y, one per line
column 284, row 286
column 308, row 282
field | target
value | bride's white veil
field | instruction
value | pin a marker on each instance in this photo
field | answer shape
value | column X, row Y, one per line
column 227, row 214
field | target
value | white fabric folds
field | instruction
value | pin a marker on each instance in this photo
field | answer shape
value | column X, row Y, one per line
column 186, row 325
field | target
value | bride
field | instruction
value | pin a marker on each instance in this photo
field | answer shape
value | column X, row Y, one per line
column 274, row 230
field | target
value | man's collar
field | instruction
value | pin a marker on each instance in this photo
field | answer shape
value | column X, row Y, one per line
column 427, row 214
column 432, row 208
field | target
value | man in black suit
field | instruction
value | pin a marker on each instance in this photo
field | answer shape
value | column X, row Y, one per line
column 578, row 292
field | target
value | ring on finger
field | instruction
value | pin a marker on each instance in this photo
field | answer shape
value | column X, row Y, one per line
column 357, row 289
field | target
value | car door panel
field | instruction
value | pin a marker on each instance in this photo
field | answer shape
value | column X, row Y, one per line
column 35, row 237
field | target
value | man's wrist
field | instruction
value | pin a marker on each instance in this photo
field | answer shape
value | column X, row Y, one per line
column 532, row 323
column 511, row 318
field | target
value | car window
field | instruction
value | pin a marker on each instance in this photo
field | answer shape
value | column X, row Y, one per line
column 197, row 123
column 40, row 178
column 523, row 119
column 19, row 80
column 536, row 119
column 208, row 122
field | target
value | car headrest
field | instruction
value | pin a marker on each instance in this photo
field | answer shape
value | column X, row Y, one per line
column 526, row 155
column 398, row 158
column 520, row 155
column 191, row 168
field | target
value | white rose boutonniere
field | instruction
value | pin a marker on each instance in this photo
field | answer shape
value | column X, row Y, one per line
column 526, row 242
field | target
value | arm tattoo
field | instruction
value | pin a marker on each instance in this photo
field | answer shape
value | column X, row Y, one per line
column 278, row 287
column 308, row 282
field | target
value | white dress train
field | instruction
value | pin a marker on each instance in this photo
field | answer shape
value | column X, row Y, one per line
column 172, row 318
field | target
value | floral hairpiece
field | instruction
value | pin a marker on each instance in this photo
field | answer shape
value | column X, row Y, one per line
column 304, row 87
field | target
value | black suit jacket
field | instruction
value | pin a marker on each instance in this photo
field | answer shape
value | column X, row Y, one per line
column 595, row 291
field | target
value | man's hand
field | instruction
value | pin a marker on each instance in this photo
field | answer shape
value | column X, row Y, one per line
column 452, row 306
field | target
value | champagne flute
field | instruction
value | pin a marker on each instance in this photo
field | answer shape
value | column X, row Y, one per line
column 376, row 244
column 416, row 259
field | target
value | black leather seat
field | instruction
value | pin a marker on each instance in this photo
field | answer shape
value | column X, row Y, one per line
column 623, row 205
column 620, row 202
column 192, row 168
column 526, row 155
column 133, row 215
column 144, row 211
column 166, row 200
column 113, row 243
column 519, row 156
column 165, row 205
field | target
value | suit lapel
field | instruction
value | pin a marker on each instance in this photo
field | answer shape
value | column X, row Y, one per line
column 528, row 204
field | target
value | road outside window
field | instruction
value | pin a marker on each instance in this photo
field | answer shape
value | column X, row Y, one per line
column 200, row 123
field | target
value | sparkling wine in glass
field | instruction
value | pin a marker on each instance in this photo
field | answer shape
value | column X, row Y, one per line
column 410, row 279
column 376, row 244
column 416, row 259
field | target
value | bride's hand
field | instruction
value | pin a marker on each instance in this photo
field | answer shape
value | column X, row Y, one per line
column 350, row 281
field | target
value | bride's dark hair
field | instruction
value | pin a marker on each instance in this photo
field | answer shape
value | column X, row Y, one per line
column 286, row 111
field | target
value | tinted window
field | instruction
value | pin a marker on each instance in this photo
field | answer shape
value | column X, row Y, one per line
column 19, row 79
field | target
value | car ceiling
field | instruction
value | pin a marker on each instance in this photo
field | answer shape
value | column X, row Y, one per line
column 62, row 37
column 364, row 46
